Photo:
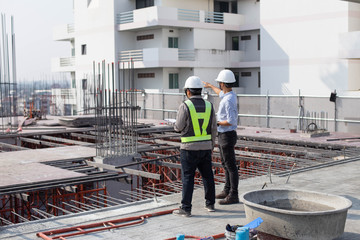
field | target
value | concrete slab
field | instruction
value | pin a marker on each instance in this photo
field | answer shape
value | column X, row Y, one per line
column 282, row 134
column 339, row 180
column 46, row 155
column 33, row 172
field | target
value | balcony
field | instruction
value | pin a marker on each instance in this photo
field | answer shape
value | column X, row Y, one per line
column 349, row 45
column 66, row 64
column 64, row 32
column 173, row 57
column 167, row 16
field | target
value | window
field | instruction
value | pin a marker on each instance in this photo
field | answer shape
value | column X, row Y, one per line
column 145, row 37
column 259, row 42
column 146, row 75
column 234, row 7
column 73, row 83
column 259, row 80
column 173, row 81
column 246, row 74
column 235, row 43
column 224, row 7
column 84, row 84
column 83, row 49
column 246, row 37
column 173, row 42
column 236, row 84
column 144, row 3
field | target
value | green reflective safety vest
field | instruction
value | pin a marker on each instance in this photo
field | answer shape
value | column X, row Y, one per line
column 200, row 134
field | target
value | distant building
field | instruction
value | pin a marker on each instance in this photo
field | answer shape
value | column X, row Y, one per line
column 272, row 46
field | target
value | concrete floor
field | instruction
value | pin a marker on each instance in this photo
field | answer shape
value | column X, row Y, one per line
column 340, row 180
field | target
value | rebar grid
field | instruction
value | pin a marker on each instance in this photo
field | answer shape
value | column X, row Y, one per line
column 115, row 111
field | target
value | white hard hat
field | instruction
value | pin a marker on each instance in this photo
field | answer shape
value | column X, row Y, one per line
column 226, row 76
column 193, row 82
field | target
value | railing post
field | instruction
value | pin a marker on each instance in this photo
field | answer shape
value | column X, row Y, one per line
column 163, row 104
column 267, row 109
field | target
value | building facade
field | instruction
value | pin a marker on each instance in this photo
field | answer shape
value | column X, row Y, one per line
column 273, row 46
column 167, row 41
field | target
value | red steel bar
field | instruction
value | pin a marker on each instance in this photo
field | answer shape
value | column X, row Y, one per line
column 46, row 235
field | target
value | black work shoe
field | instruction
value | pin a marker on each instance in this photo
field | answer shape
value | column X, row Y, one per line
column 222, row 195
column 181, row 212
column 210, row 208
column 229, row 200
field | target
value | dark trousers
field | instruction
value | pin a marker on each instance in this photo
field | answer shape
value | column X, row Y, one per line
column 227, row 141
column 190, row 161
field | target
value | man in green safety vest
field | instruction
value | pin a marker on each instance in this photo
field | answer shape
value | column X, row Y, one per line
column 196, row 121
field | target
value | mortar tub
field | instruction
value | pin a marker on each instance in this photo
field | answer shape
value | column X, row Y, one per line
column 296, row 214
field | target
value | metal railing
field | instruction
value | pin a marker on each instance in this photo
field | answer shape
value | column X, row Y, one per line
column 125, row 17
column 264, row 111
column 189, row 15
column 131, row 55
column 67, row 62
column 214, row 17
column 186, row 55
column 70, row 28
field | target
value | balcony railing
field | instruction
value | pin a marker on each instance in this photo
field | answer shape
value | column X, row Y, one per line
column 173, row 57
column 186, row 55
column 189, row 15
column 67, row 62
column 214, row 17
column 131, row 55
column 155, row 15
column 125, row 17
column 70, row 28
column 64, row 32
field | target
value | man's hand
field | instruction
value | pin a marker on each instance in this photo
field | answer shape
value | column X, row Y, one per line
column 206, row 84
column 215, row 89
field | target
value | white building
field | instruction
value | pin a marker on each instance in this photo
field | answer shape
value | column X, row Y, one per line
column 272, row 46
column 308, row 45
column 168, row 40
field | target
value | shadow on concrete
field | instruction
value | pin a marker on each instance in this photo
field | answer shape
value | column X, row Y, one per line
column 355, row 202
column 348, row 236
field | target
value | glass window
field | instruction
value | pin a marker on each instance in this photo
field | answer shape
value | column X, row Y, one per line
column 236, row 84
column 174, row 81
column 235, row 43
column 83, row 49
column 234, row 7
column 144, row 3
column 173, row 42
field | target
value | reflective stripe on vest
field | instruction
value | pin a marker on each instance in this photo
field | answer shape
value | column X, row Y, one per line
column 195, row 116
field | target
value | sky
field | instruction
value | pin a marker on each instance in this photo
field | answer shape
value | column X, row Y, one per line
column 34, row 21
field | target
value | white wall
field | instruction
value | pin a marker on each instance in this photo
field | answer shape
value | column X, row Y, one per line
column 299, row 46
column 149, row 83
column 208, row 74
column 249, row 47
column 94, row 26
column 250, row 83
column 207, row 5
column 251, row 11
column 149, row 43
column 186, row 39
column 209, row 39
column 354, row 74
column 354, row 17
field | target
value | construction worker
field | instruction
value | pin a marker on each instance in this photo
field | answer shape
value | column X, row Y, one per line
column 197, row 123
column 227, row 116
